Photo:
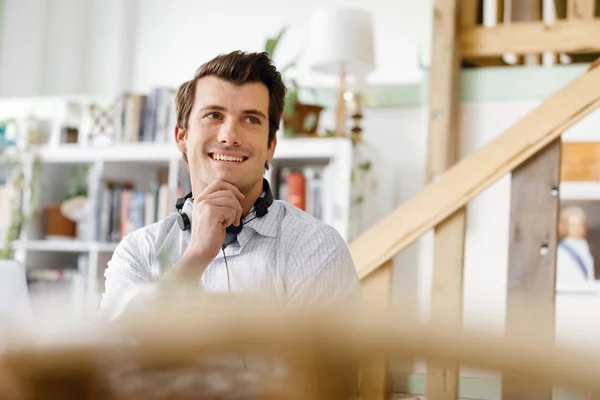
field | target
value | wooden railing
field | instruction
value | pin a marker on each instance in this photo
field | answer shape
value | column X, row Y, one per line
column 466, row 179
column 529, row 150
column 520, row 31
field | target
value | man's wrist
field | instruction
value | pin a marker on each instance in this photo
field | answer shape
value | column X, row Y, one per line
column 188, row 269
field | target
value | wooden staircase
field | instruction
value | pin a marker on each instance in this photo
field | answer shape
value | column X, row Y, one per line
column 529, row 150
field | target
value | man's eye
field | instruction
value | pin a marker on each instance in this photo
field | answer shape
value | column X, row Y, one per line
column 213, row 115
column 253, row 120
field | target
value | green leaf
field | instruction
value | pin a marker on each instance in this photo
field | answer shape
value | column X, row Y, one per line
column 291, row 99
column 366, row 166
column 289, row 132
column 271, row 44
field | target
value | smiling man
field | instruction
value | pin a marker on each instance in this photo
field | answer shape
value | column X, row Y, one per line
column 229, row 235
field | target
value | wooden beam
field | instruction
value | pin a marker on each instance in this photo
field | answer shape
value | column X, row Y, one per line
column 468, row 12
column 530, row 305
column 469, row 18
column 474, row 173
column 442, row 142
column 446, row 300
column 377, row 291
column 531, row 37
column 581, row 9
column 443, row 152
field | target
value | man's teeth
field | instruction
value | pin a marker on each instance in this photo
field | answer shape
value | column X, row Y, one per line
column 220, row 157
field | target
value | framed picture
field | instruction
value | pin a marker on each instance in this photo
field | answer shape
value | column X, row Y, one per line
column 578, row 252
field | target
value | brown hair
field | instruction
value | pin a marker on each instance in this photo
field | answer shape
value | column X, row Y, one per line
column 238, row 68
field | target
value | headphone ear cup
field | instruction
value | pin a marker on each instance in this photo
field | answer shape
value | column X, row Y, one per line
column 183, row 221
column 184, row 218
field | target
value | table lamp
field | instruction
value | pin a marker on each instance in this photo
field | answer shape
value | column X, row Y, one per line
column 341, row 42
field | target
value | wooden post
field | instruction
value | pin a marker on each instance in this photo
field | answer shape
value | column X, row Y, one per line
column 530, row 299
column 376, row 292
column 443, row 152
column 468, row 12
column 580, row 9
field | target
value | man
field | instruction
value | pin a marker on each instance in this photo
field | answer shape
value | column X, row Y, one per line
column 227, row 119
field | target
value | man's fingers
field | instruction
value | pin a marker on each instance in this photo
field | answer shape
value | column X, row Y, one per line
column 222, row 185
column 224, row 197
column 226, row 209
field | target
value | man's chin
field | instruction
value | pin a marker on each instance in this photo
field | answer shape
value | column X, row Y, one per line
column 229, row 178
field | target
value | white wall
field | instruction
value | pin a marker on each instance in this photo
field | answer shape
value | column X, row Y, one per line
column 106, row 46
column 22, row 49
column 55, row 47
column 175, row 37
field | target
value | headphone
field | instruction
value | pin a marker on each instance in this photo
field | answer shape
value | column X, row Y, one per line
column 184, row 206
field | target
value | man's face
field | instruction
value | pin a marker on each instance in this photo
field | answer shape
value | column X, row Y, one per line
column 227, row 136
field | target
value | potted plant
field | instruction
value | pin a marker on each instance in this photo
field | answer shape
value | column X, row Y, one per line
column 13, row 278
column 71, row 216
column 15, row 154
column 298, row 117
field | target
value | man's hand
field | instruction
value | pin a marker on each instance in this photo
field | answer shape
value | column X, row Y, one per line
column 217, row 207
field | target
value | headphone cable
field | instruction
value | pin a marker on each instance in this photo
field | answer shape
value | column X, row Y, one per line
column 226, row 269
column 229, row 290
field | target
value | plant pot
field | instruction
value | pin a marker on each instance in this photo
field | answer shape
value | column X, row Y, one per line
column 57, row 225
column 15, row 305
column 305, row 119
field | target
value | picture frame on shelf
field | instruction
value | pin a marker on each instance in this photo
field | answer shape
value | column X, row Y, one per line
column 578, row 247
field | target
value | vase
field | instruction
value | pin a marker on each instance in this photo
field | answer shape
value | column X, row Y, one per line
column 305, row 120
column 57, row 225
column 15, row 304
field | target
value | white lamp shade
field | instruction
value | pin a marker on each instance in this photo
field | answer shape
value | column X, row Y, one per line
column 341, row 40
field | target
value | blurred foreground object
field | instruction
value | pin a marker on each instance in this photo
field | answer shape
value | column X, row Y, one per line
column 232, row 347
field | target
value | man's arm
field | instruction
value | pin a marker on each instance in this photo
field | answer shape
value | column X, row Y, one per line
column 128, row 279
column 321, row 272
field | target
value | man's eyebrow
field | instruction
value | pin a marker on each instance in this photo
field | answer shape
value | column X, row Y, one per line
column 255, row 112
column 213, row 107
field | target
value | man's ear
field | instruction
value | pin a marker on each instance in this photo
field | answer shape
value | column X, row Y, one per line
column 180, row 136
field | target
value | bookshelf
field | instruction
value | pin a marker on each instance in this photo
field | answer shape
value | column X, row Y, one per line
column 153, row 170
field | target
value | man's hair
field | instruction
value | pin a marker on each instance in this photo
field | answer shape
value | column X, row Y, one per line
column 238, row 68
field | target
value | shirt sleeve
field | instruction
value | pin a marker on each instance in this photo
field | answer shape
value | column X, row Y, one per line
column 128, row 280
column 322, row 272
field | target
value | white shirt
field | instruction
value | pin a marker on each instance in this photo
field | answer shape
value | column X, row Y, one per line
column 567, row 266
column 287, row 256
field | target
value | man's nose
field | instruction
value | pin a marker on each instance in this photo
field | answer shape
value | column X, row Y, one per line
column 229, row 133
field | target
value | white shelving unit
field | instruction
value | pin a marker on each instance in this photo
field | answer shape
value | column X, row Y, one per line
column 580, row 190
column 139, row 163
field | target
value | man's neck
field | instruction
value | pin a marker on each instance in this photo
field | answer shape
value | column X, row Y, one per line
column 251, row 196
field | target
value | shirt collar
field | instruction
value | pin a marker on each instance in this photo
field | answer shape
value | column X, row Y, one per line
column 266, row 225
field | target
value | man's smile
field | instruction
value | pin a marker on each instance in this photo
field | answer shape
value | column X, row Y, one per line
column 225, row 157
